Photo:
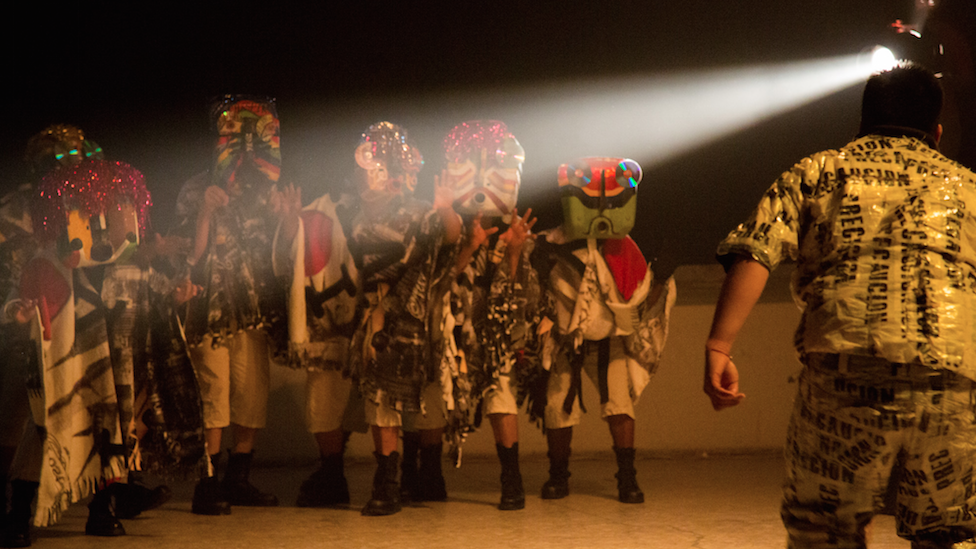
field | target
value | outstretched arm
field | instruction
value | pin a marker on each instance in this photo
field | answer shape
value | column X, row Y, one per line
column 743, row 285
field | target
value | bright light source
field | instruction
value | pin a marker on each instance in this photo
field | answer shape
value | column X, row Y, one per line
column 882, row 59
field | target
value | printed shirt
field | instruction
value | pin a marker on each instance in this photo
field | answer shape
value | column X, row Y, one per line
column 322, row 291
column 884, row 237
column 403, row 270
column 240, row 290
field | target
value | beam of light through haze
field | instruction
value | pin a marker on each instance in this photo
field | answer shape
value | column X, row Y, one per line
column 652, row 118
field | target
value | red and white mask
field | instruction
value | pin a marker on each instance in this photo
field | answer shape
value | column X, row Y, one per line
column 484, row 166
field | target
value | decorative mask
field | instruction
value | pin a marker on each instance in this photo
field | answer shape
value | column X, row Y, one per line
column 484, row 163
column 248, row 141
column 60, row 145
column 599, row 197
column 95, row 212
column 390, row 161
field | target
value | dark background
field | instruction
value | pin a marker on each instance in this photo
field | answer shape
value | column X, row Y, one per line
column 138, row 81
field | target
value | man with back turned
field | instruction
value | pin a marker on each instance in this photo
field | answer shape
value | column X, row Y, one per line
column 883, row 232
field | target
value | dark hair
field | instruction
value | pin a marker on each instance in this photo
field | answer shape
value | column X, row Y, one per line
column 907, row 96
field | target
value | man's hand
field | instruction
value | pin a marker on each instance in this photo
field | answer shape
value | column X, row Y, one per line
column 24, row 311
column 213, row 199
column 721, row 380
column 287, row 205
column 479, row 234
column 443, row 191
column 519, row 230
column 287, row 202
column 185, row 291
column 478, row 237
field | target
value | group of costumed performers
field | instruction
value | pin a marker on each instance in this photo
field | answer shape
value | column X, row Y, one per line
column 455, row 312
column 110, row 386
column 239, row 321
column 412, row 320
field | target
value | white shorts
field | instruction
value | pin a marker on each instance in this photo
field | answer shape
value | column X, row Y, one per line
column 326, row 398
column 234, row 380
column 380, row 415
column 619, row 393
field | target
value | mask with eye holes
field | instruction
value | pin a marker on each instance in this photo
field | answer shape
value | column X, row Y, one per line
column 389, row 162
column 94, row 213
column 484, row 166
column 599, row 197
column 247, row 157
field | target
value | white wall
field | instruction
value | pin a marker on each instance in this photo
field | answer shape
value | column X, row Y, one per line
column 673, row 415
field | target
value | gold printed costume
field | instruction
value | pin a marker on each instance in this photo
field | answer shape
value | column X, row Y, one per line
column 886, row 277
column 887, row 272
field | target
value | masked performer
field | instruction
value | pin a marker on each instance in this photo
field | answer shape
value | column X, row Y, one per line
column 494, row 297
column 239, row 320
column 85, row 217
column 609, row 316
column 311, row 247
column 405, row 252
column 159, row 399
column 55, row 146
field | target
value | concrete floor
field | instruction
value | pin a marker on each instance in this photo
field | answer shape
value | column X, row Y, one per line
column 701, row 502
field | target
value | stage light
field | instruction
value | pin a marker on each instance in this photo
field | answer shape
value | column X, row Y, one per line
column 882, row 59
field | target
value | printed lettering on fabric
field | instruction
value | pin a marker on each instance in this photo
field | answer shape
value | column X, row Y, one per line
column 848, row 432
column 883, row 269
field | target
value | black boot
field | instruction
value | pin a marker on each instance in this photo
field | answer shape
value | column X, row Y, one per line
column 557, row 487
column 237, row 486
column 3, row 510
column 629, row 491
column 208, row 496
column 410, row 489
column 327, row 486
column 101, row 520
column 134, row 497
column 513, row 494
column 16, row 531
column 432, row 486
column 386, row 491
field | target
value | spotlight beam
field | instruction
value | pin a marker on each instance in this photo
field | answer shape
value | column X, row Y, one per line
column 653, row 118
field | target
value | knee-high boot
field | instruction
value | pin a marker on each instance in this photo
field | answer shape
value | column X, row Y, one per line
column 513, row 493
column 410, row 489
column 559, row 441
column 237, row 483
column 627, row 488
column 327, row 486
column 386, row 492
column 101, row 519
column 432, row 486
column 208, row 496
column 17, row 529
